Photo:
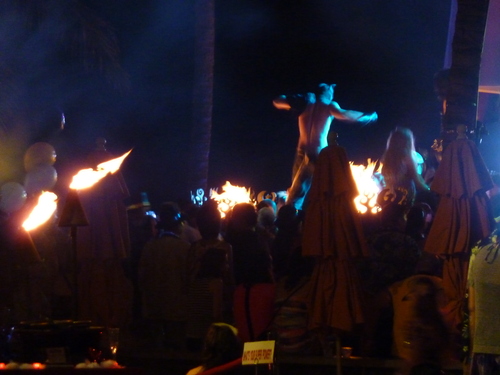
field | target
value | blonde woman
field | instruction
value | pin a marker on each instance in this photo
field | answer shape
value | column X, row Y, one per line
column 399, row 169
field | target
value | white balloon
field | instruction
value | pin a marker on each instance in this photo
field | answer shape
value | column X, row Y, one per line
column 41, row 177
column 12, row 197
column 40, row 153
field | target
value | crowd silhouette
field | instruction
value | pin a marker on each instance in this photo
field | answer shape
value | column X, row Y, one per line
column 303, row 278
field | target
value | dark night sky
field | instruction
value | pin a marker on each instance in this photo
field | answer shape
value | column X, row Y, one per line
column 381, row 53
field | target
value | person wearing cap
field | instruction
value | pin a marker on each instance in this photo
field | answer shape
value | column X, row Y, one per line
column 142, row 224
column 163, row 279
column 316, row 113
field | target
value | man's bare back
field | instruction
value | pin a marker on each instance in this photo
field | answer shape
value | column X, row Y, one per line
column 317, row 113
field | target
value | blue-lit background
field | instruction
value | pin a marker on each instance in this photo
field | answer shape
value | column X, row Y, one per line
column 381, row 54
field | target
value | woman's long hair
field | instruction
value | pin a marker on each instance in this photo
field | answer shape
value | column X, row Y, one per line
column 400, row 147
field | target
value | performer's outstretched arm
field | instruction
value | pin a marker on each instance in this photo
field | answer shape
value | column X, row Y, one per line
column 281, row 102
column 295, row 102
column 351, row 115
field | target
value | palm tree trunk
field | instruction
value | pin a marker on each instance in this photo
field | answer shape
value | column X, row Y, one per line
column 467, row 46
column 202, row 95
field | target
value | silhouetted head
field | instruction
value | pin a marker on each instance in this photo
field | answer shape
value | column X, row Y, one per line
column 267, row 203
column 266, row 217
column 209, row 220
column 287, row 217
column 326, row 91
column 243, row 216
column 189, row 213
column 221, row 345
column 170, row 218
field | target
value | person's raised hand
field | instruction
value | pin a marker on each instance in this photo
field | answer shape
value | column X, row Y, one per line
column 368, row 118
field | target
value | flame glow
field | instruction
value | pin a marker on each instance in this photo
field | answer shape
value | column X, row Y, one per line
column 47, row 205
column 230, row 197
column 86, row 178
column 368, row 187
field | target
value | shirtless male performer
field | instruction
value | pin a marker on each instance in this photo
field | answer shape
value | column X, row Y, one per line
column 317, row 110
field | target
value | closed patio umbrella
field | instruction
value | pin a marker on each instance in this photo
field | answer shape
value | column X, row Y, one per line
column 462, row 218
column 333, row 234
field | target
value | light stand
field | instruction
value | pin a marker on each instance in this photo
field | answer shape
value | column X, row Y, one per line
column 73, row 216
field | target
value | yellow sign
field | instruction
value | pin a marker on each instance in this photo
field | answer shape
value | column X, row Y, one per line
column 258, row 352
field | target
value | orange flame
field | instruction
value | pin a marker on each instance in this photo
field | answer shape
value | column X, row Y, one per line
column 46, row 206
column 230, row 197
column 368, row 188
column 86, row 178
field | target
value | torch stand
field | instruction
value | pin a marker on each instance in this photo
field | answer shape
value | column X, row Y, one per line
column 73, row 216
